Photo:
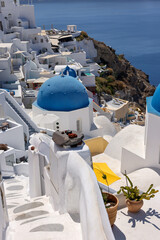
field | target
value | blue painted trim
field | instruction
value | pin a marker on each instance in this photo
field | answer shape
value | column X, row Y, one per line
column 150, row 108
column 36, row 105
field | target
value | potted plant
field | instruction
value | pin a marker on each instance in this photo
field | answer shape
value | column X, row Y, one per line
column 111, row 205
column 110, row 201
column 134, row 198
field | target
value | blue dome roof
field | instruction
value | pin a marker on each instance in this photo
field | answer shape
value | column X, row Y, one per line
column 69, row 71
column 62, row 93
column 156, row 99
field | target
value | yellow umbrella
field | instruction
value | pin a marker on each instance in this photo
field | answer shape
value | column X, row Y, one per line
column 104, row 174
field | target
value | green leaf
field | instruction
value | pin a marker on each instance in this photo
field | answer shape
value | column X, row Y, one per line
column 129, row 180
column 150, row 187
column 119, row 191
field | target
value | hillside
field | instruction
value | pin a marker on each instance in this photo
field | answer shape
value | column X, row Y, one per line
column 119, row 75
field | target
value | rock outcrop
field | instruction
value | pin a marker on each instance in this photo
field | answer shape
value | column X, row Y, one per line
column 131, row 83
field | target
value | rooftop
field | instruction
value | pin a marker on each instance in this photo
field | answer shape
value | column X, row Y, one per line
column 116, row 103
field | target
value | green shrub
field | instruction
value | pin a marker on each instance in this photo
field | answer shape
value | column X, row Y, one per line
column 101, row 81
column 82, row 36
column 110, row 71
column 111, row 78
column 120, row 56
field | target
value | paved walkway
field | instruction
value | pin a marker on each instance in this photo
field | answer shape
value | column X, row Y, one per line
column 35, row 218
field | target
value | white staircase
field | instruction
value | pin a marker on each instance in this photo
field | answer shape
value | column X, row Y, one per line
column 35, row 219
column 16, row 112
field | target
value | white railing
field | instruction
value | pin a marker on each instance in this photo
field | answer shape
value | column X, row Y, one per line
column 72, row 187
column 19, row 108
column 14, row 110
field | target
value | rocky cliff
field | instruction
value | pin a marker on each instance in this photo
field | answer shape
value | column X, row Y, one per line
column 131, row 83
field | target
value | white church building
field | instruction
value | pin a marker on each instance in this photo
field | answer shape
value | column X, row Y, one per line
column 66, row 99
column 63, row 103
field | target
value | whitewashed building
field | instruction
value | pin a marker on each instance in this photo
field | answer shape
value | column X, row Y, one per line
column 66, row 98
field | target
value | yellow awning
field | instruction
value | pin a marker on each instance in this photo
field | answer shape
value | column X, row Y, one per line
column 102, row 171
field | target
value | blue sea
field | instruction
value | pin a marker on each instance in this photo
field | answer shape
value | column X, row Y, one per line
column 132, row 27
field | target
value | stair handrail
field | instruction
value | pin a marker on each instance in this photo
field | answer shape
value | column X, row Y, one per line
column 20, row 109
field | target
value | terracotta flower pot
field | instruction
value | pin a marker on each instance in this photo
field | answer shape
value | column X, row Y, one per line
column 134, row 206
column 112, row 211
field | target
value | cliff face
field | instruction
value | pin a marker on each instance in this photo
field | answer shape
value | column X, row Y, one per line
column 133, row 84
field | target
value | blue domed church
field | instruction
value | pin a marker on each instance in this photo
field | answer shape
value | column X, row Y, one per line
column 66, row 101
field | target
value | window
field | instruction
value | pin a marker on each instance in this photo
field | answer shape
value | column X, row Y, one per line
column 1, row 26
column 2, row 196
column 10, row 160
column 41, row 40
column 79, row 125
column 2, row 4
column 57, row 126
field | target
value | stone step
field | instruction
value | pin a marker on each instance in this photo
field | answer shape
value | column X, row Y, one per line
column 35, row 219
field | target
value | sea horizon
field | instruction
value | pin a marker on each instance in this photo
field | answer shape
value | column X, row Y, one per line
column 130, row 27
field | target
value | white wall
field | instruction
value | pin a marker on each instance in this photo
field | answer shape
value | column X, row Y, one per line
column 7, row 38
column 10, row 8
column 131, row 162
column 6, row 169
column 28, row 33
column 21, row 169
column 88, row 47
column 20, row 11
column 88, row 81
column 3, row 213
column 79, row 57
column 5, row 62
column 68, row 120
column 61, row 60
column 27, row 11
column 21, row 45
column 13, row 137
column 9, row 111
column 152, row 139
column 37, row 45
column 6, row 76
column 94, row 67
column 34, row 174
column 77, row 192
